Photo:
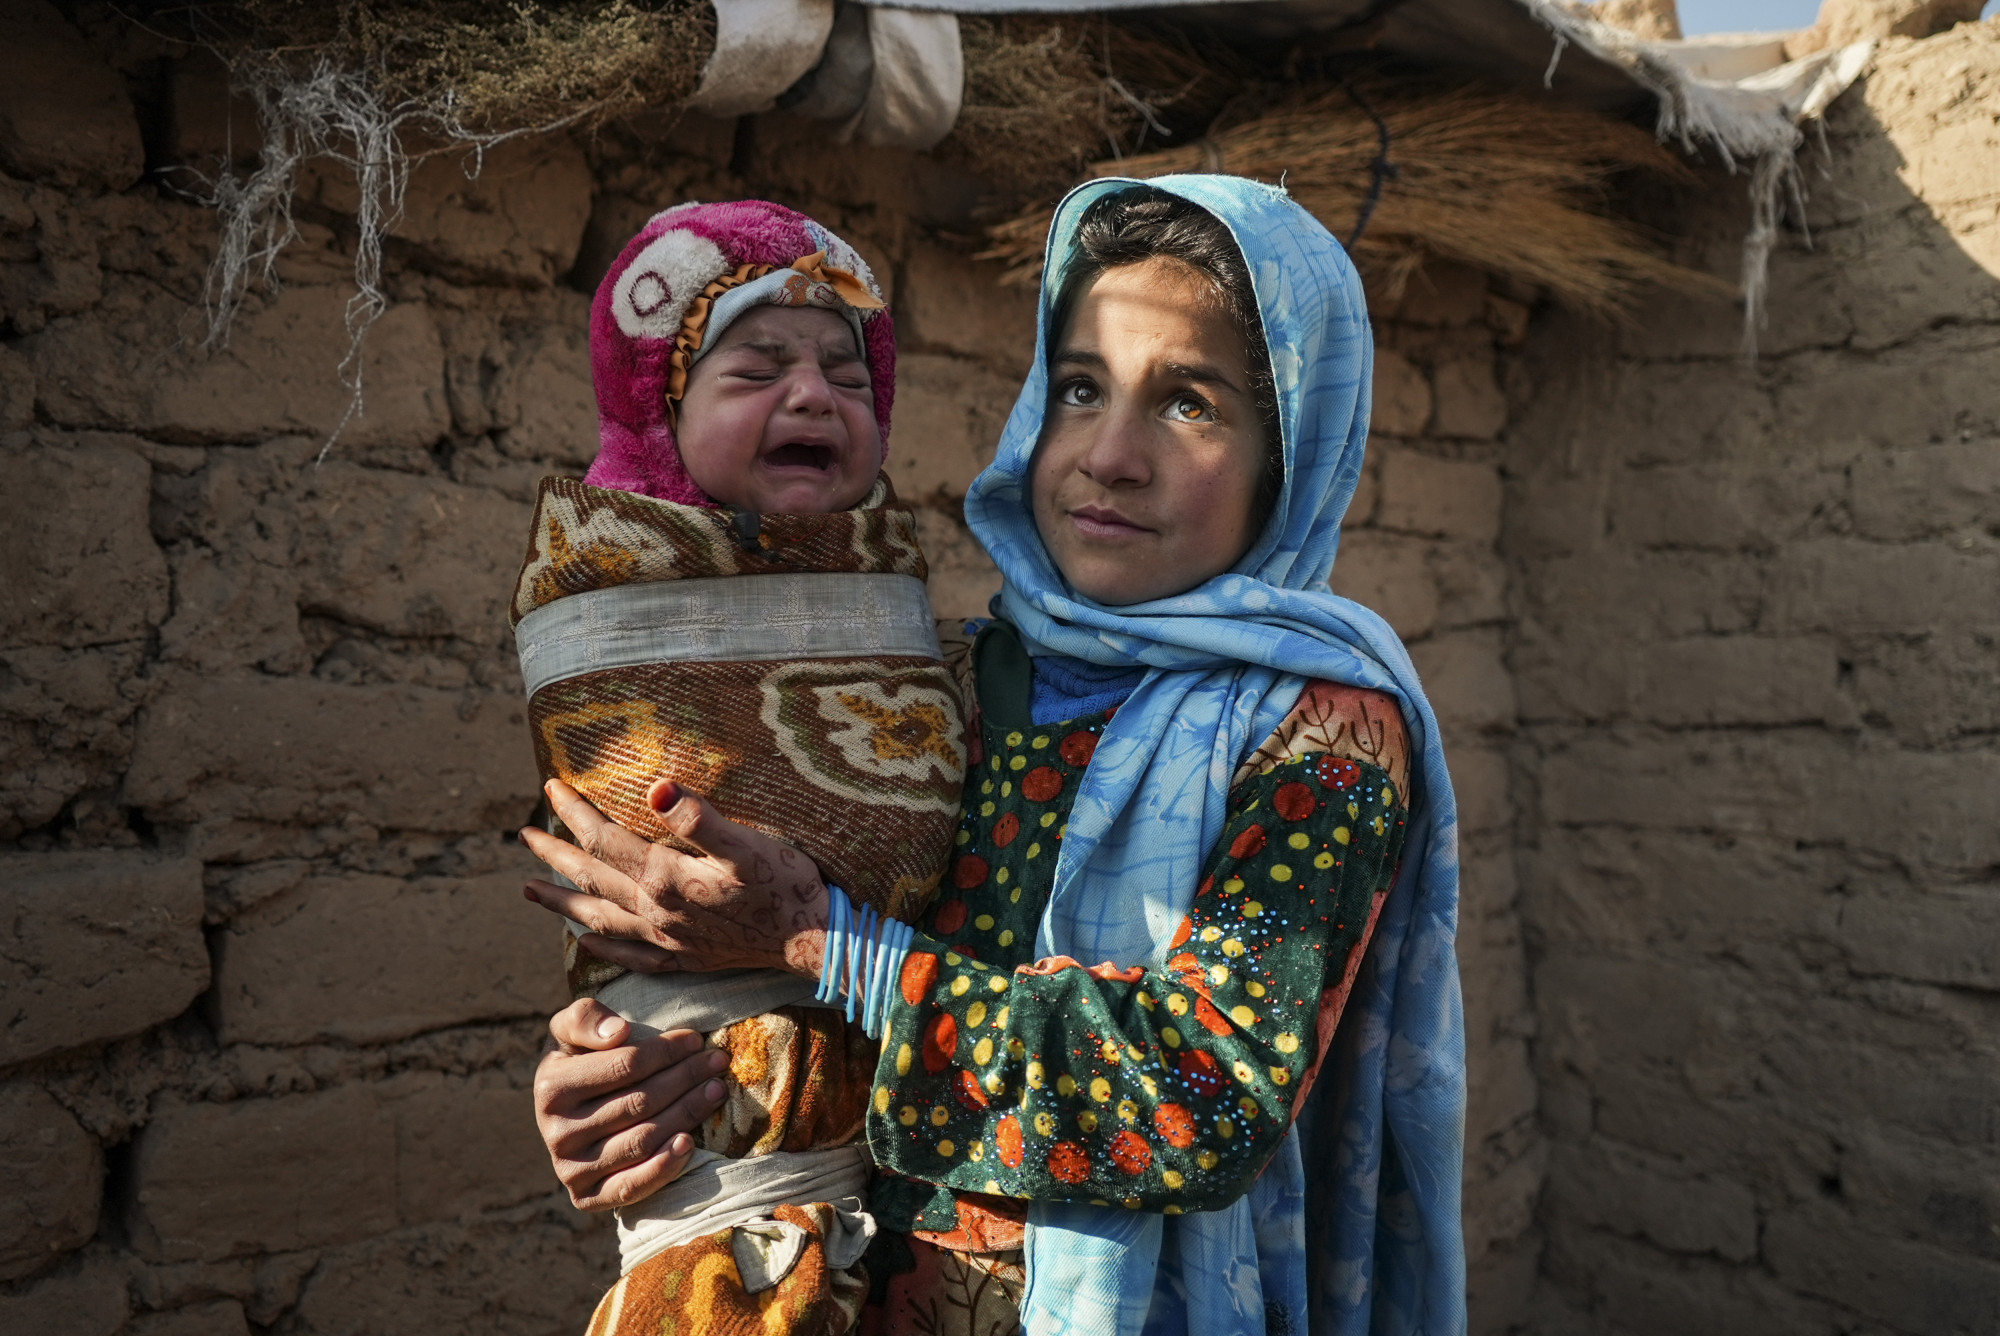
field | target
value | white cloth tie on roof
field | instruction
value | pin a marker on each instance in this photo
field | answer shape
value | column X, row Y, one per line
column 762, row 47
column 919, row 79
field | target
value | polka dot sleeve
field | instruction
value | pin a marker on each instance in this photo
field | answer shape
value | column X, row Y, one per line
column 1166, row 1088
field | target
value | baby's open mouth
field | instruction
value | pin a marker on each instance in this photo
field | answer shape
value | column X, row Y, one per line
column 799, row 454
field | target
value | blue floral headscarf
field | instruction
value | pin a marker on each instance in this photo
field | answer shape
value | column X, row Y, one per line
column 1369, row 1239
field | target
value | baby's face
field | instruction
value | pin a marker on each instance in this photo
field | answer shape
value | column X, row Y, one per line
column 780, row 416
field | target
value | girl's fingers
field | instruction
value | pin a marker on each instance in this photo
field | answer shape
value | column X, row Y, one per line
column 643, row 957
column 641, row 1181
column 596, row 834
column 566, row 1083
column 592, row 911
column 594, row 876
column 588, row 1026
column 694, row 819
column 659, row 1103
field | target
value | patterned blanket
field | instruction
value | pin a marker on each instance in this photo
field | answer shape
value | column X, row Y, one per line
column 787, row 668
column 784, row 666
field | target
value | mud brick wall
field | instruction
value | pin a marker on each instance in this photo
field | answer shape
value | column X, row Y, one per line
column 1419, row 547
column 269, row 998
column 1760, row 794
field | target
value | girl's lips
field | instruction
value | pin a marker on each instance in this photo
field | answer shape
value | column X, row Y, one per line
column 1098, row 522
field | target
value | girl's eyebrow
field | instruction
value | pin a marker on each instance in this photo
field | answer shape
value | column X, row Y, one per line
column 1201, row 373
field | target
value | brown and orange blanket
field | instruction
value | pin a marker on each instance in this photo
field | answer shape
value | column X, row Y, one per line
column 787, row 668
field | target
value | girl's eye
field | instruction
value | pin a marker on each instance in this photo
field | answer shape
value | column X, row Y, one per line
column 1078, row 394
column 1190, row 408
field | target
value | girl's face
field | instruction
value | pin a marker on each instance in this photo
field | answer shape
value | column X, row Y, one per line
column 1145, row 477
column 780, row 417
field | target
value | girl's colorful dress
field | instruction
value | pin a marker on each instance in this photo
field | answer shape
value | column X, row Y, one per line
column 1185, row 1078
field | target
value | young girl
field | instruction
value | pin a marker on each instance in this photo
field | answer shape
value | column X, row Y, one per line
column 1199, row 769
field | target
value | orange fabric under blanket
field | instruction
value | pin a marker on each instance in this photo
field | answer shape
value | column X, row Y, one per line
column 695, row 1290
column 931, row 1291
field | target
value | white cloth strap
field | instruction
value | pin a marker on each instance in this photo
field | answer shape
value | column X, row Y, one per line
column 731, row 618
column 717, row 1193
column 704, row 1002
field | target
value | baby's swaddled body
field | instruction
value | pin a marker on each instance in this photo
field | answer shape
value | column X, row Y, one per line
column 787, row 668
column 795, row 680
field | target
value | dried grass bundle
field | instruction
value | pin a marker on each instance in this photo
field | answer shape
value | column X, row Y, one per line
column 489, row 67
column 1044, row 96
column 1507, row 183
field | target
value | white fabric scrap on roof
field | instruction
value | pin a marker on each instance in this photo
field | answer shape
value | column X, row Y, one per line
column 1740, row 96
column 761, row 49
column 887, row 76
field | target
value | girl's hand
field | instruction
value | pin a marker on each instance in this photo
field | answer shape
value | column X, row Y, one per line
column 746, row 900
column 614, row 1111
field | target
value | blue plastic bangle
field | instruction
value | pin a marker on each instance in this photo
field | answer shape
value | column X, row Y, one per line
column 836, row 938
column 888, row 966
column 869, row 932
column 871, row 1013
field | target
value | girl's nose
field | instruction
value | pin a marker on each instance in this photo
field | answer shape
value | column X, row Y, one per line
column 1116, row 454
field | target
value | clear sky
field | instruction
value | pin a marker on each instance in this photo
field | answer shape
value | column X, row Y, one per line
column 1703, row 16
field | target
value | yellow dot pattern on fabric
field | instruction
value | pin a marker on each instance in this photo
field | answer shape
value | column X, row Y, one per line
column 1074, row 1087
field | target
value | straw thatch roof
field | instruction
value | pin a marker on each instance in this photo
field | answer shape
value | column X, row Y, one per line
column 1488, row 134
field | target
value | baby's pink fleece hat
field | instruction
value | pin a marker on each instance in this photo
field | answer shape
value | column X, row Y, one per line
column 638, row 312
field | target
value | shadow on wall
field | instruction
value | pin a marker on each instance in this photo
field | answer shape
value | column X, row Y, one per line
column 270, row 999
column 1760, row 698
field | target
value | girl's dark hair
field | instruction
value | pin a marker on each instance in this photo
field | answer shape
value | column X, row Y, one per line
column 1143, row 223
